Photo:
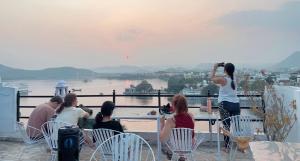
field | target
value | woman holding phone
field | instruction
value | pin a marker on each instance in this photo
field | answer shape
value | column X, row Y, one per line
column 228, row 101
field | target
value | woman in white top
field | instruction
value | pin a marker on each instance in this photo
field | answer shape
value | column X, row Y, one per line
column 228, row 101
column 68, row 112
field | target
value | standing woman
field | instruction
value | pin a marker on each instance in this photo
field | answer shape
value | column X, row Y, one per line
column 228, row 101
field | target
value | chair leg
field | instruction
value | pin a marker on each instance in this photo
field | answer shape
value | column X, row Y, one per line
column 53, row 156
column 191, row 157
column 231, row 151
column 234, row 153
column 174, row 157
column 21, row 154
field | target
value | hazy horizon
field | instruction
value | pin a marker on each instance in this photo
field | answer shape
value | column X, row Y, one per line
column 90, row 34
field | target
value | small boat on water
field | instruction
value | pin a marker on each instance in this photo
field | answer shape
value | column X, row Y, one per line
column 87, row 80
column 23, row 89
column 76, row 90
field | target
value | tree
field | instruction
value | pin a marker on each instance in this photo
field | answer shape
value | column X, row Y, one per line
column 176, row 84
column 212, row 88
column 270, row 80
column 258, row 85
column 144, row 87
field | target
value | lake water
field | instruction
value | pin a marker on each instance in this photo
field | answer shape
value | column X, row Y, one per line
column 95, row 87
column 105, row 86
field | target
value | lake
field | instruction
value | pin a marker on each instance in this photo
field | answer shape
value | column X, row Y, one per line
column 94, row 87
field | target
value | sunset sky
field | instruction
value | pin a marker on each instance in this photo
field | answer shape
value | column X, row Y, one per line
column 38, row 34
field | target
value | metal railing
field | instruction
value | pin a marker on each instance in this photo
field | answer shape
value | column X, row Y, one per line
column 114, row 96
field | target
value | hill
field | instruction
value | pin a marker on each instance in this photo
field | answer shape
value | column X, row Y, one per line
column 292, row 61
column 8, row 73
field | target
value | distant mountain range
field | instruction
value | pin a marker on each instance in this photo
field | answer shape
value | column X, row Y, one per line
column 8, row 73
column 123, row 69
column 292, row 61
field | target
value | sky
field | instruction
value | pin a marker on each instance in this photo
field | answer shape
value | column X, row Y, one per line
column 37, row 34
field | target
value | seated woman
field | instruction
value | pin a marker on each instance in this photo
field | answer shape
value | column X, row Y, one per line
column 68, row 113
column 181, row 119
column 103, row 119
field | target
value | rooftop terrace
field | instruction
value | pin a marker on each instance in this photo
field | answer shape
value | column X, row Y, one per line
column 9, row 151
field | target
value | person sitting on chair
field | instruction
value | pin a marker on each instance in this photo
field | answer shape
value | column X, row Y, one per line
column 103, row 119
column 181, row 119
column 68, row 113
column 43, row 113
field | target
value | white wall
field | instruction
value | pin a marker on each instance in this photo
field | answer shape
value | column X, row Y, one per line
column 289, row 94
column 8, row 109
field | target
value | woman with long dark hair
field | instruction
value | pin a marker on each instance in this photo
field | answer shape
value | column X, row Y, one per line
column 103, row 118
column 68, row 112
column 228, row 101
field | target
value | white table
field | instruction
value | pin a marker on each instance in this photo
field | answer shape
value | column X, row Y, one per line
column 275, row 151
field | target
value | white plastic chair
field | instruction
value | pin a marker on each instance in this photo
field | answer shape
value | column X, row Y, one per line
column 101, row 135
column 182, row 143
column 235, row 127
column 50, row 132
column 30, row 135
column 124, row 147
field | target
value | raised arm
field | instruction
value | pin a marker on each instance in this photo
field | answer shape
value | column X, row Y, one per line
column 217, row 79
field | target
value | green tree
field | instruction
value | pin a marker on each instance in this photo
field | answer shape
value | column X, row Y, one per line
column 144, row 87
column 258, row 85
column 176, row 84
column 212, row 88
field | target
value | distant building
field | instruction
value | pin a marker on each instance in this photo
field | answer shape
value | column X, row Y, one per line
column 283, row 79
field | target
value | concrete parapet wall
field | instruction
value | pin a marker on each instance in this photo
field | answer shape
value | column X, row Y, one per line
column 8, row 111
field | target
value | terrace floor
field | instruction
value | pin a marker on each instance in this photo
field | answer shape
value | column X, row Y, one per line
column 10, row 150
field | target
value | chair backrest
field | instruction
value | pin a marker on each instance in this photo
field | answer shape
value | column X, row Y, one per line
column 100, row 135
column 181, row 140
column 125, row 147
column 30, row 135
column 50, row 132
column 240, row 125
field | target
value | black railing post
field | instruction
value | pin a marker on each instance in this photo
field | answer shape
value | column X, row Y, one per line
column 18, row 106
column 263, row 105
column 159, row 99
column 114, row 97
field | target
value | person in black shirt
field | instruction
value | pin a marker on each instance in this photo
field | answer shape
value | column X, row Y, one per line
column 103, row 119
